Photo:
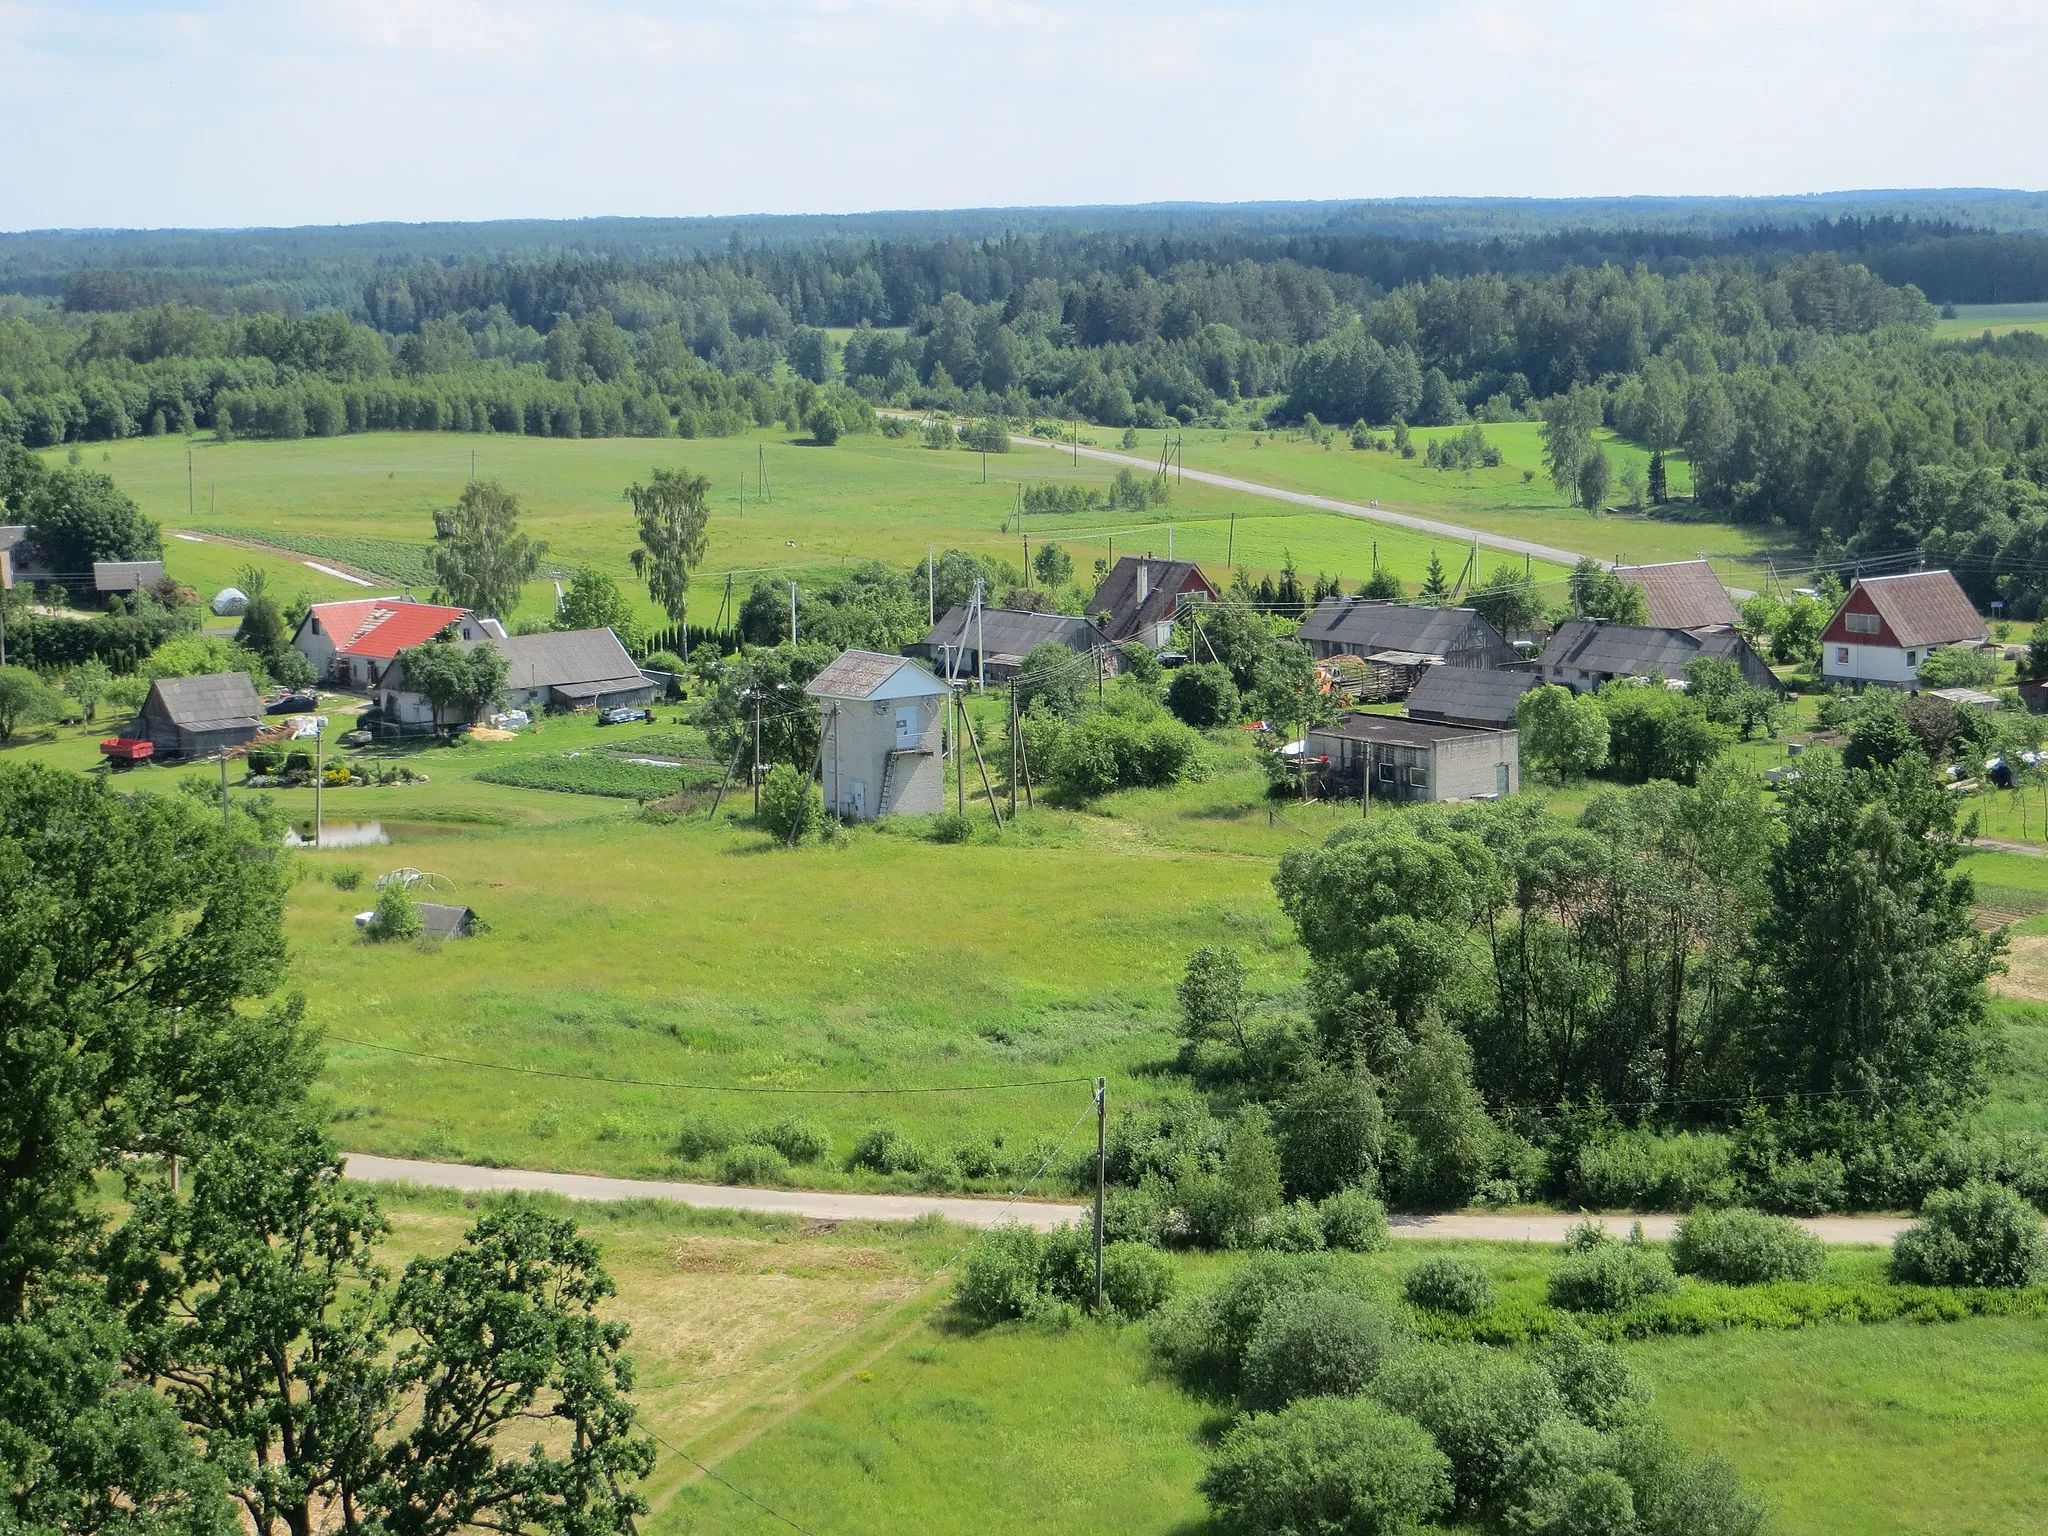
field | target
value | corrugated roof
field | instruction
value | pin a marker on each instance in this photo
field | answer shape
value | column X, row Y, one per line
column 210, row 702
column 1469, row 696
column 566, row 657
column 1636, row 650
column 1011, row 630
column 379, row 628
column 1396, row 730
column 1366, row 627
column 1682, row 594
column 126, row 575
column 860, row 674
column 1118, row 594
column 1923, row 608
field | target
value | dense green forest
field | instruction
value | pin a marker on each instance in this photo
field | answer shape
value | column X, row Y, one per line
column 1795, row 363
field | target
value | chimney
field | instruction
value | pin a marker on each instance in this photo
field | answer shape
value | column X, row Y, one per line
column 1144, row 580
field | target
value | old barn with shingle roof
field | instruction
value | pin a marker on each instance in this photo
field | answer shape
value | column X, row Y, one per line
column 1682, row 594
column 198, row 716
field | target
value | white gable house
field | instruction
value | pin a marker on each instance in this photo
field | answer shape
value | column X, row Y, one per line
column 882, row 720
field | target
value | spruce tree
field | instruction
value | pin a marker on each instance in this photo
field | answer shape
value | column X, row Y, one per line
column 1660, row 490
column 1436, row 586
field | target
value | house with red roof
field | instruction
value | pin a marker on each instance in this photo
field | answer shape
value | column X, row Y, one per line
column 350, row 643
column 1887, row 625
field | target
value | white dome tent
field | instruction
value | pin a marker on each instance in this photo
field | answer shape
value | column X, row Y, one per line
column 230, row 601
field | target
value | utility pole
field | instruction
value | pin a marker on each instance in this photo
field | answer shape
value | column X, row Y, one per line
column 931, row 588
column 319, row 741
column 190, row 501
column 757, row 752
column 224, row 792
column 1230, row 555
column 1013, row 749
column 472, row 466
column 1101, row 1177
column 792, row 613
column 959, row 762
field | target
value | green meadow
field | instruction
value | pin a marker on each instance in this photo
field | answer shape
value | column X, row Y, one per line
column 870, row 497
column 1973, row 320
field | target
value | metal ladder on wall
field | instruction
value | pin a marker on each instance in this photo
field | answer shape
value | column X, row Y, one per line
column 888, row 773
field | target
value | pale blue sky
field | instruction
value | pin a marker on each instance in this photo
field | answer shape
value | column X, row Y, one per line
column 231, row 112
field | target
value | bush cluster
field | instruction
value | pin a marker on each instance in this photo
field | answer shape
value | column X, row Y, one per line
column 1979, row 1235
column 1449, row 1285
column 1743, row 1247
column 1012, row 1272
column 1103, row 751
column 1606, row 1276
column 792, row 1140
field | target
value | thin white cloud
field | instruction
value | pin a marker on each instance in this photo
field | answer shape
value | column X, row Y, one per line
column 234, row 112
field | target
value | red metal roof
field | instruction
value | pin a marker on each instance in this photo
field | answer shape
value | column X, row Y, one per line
column 380, row 627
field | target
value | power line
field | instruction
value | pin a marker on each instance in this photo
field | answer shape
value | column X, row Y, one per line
column 642, row 1082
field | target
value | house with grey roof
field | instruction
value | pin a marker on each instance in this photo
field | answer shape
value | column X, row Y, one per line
column 1468, row 696
column 123, row 576
column 1887, row 625
column 198, row 716
column 1584, row 653
column 566, row 669
column 1393, row 757
column 1140, row 598
column 882, row 736
column 991, row 644
column 1452, row 637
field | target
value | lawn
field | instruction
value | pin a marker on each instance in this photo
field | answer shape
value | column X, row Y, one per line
column 868, row 498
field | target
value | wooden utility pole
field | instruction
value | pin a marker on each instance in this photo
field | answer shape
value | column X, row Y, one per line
column 987, row 785
column 224, row 792
column 1101, row 1177
column 1013, row 749
column 756, row 774
column 959, row 762
column 319, row 740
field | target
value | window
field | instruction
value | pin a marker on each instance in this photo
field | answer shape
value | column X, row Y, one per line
column 1912, row 658
column 1860, row 623
column 1386, row 773
column 1418, row 776
column 1841, row 653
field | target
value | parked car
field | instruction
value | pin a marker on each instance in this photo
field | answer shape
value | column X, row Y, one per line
column 623, row 716
column 293, row 704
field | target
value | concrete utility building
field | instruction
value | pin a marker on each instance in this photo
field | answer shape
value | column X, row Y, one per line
column 998, row 640
column 1682, row 594
column 1141, row 596
column 198, row 716
column 1887, row 625
column 1584, row 653
column 1417, row 759
column 568, row 669
column 350, row 643
column 883, row 728
column 1452, row 637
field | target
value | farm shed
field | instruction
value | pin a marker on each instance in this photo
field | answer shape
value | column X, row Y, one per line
column 1140, row 597
column 571, row 669
column 1416, row 759
column 1456, row 637
column 1682, row 594
column 1887, row 625
column 1466, row 696
column 443, row 920
column 198, row 716
column 883, row 736
column 350, row 643
column 113, row 576
column 998, row 640
column 1584, row 653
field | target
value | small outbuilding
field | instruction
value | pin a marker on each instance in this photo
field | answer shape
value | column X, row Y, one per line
column 111, row 577
column 1408, row 759
column 993, row 643
column 1466, row 696
column 198, row 716
column 444, row 920
column 883, row 736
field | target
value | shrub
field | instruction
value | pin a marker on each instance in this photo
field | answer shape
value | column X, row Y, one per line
column 1981, row 1234
column 752, row 1163
column 1000, row 1279
column 1609, row 1277
column 701, row 1137
column 1137, row 1279
column 950, row 827
column 1638, row 1171
column 1315, row 1343
column 1296, row 1228
column 1204, row 1338
column 1228, row 1208
column 1741, row 1247
column 884, row 1149
column 1327, row 1466
column 1203, row 696
column 1481, row 1405
column 790, row 807
column 299, row 760
column 1805, row 1186
column 396, row 917
column 801, row 1141
column 1449, row 1285
column 347, row 878
column 1103, row 751
column 264, row 757
column 1592, row 1377
column 1354, row 1221
column 1676, row 1495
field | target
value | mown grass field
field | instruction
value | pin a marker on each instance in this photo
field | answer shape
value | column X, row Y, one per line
column 870, row 497
column 1974, row 320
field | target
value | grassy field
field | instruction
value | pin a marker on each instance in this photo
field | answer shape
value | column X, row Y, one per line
column 868, row 498
column 1997, row 319
column 1496, row 500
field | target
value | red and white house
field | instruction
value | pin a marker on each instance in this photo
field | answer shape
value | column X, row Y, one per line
column 350, row 643
column 1887, row 625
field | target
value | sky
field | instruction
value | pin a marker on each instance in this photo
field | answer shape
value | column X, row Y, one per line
column 123, row 113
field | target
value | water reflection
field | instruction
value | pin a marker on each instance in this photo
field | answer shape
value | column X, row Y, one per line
column 337, row 834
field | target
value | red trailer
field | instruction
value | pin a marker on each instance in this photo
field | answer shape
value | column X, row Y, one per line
column 123, row 753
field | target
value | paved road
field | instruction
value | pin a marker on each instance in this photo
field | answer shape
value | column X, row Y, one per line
column 1451, row 531
column 821, row 1205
